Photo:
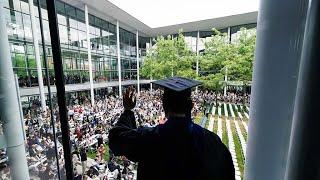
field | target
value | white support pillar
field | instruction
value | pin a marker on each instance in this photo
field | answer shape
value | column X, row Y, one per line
column 89, row 53
column 151, row 77
column 229, row 35
column 37, row 55
column 280, row 33
column 197, row 49
column 151, row 84
column 225, row 81
column 138, row 65
column 10, row 114
column 119, row 60
column 20, row 106
column 226, row 75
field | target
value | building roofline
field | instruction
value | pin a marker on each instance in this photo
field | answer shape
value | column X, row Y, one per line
column 110, row 12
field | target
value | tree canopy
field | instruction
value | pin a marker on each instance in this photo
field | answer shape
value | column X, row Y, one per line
column 171, row 56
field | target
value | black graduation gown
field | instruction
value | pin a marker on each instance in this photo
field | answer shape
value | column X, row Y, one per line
column 178, row 149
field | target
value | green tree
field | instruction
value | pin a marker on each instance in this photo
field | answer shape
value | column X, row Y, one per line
column 213, row 60
column 170, row 57
column 18, row 62
column 234, row 59
column 241, row 67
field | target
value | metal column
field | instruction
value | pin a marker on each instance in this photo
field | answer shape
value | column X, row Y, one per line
column 44, row 53
column 225, row 81
column 10, row 114
column 138, row 65
column 20, row 106
column 37, row 54
column 304, row 158
column 151, row 76
column 229, row 34
column 119, row 60
column 89, row 52
column 226, row 71
column 58, row 69
column 277, row 58
column 197, row 51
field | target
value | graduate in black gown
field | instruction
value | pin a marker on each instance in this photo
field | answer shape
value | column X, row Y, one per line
column 178, row 149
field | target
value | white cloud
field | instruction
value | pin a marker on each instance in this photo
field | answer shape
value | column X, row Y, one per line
column 157, row 13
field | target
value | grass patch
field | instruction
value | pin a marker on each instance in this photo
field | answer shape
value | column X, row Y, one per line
column 235, row 111
column 222, row 110
column 243, row 130
column 238, row 148
column 210, row 108
column 207, row 122
column 228, row 110
column 215, row 125
column 245, row 119
column 225, row 139
column 239, row 108
column 197, row 119
column 93, row 153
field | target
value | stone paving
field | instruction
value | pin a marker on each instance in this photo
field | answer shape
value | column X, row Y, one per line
column 233, row 151
column 241, row 113
column 241, row 138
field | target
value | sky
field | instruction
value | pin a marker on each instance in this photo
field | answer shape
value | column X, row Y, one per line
column 158, row 13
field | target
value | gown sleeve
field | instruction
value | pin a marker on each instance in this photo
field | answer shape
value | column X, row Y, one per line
column 125, row 139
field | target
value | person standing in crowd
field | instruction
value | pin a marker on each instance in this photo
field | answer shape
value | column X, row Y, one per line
column 70, row 113
column 101, row 152
column 177, row 149
column 83, row 158
column 99, row 136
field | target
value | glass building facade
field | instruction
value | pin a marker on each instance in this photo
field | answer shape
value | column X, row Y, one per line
column 72, row 31
column 206, row 35
column 74, row 49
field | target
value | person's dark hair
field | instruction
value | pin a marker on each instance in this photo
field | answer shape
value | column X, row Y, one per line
column 177, row 102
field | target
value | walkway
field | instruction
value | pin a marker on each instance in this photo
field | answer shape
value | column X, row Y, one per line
column 241, row 138
column 233, row 151
column 211, row 122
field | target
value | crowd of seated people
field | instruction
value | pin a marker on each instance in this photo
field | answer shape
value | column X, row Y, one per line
column 236, row 97
column 25, row 81
column 89, row 126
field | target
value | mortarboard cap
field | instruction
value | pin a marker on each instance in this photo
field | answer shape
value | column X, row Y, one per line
column 177, row 84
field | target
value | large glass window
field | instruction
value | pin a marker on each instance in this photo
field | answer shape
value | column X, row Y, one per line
column 27, row 27
column 6, row 4
column 112, row 31
column 82, row 26
column 25, row 7
column 70, row 11
column 73, row 23
column 60, row 7
column 17, row 25
column 46, row 31
column 74, row 39
column 63, row 33
column 14, row 5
